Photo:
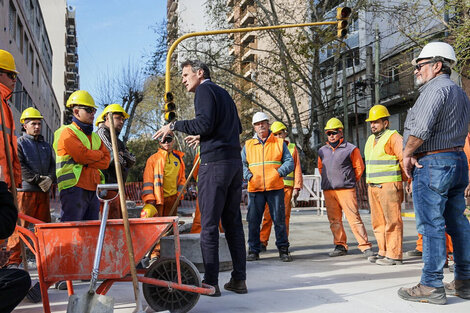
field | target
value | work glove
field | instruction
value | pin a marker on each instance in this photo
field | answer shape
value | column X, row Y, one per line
column 45, row 183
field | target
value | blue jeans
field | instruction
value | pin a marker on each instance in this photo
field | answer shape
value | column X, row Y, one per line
column 439, row 203
column 256, row 205
column 79, row 204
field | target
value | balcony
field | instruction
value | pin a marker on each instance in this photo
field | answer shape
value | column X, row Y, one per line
column 390, row 90
column 231, row 17
column 247, row 18
column 249, row 55
column 248, row 37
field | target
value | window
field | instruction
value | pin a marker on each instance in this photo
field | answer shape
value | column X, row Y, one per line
column 30, row 60
column 393, row 74
column 12, row 20
column 25, row 47
column 37, row 73
column 18, row 94
column 19, row 35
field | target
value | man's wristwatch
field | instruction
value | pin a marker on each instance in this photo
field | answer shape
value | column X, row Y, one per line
column 172, row 126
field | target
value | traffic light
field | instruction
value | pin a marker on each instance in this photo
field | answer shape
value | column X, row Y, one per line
column 170, row 107
column 342, row 15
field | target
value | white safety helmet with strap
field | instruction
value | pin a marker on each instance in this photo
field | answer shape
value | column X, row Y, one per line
column 259, row 117
column 437, row 49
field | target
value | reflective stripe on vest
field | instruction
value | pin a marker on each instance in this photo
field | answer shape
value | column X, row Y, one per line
column 263, row 161
column 289, row 179
column 67, row 170
column 380, row 166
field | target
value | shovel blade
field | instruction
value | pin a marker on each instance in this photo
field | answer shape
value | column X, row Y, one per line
column 90, row 303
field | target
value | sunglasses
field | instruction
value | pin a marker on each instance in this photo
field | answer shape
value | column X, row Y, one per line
column 420, row 65
column 10, row 75
column 89, row 110
column 332, row 133
column 279, row 133
column 167, row 140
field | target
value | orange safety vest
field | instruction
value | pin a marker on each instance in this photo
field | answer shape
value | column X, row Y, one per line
column 153, row 176
column 263, row 161
column 9, row 125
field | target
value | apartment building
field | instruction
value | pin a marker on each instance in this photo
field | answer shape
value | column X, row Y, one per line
column 26, row 37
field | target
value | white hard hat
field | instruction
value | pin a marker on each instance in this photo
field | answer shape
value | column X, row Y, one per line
column 260, row 116
column 437, row 49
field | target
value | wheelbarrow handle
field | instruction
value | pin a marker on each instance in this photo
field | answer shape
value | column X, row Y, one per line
column 99, row 248
column 108, row 187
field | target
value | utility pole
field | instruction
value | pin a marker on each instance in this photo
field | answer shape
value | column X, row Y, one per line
column 377, row 65
column 369, row 78
column 345, row 98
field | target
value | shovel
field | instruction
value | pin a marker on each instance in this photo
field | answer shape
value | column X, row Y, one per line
column 91, row 302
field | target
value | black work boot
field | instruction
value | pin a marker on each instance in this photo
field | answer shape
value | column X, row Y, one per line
column 237, row 286
column 284, row 254
column 338, row 251
column 461, row 288
column 217, row 290
column 252, row 256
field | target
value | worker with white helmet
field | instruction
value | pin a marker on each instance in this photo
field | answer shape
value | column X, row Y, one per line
column 293, row 183
column 435, row 131
column 266, row 161
column 38, row 172
column 341, row 166
column 126, row 159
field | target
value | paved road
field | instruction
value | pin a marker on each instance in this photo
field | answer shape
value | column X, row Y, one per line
column 313, row 282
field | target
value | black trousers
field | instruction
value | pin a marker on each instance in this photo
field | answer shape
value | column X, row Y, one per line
column 14, row 285
column 220, row 188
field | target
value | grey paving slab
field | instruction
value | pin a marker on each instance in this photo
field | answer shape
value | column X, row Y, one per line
column 313, row 282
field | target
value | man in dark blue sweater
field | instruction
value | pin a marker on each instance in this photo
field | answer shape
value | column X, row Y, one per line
column 217, row 129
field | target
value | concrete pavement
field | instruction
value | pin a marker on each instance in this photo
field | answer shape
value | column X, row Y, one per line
column 313, row 282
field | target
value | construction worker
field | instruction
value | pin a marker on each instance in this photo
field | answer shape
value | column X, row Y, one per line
column 384, row 161
column 266, row 161
column 341, row 166
column 38, row 171
column 126, row 159
column 293, row 183
column 14, row 283
column 434, row 136
column 8, row 76
column 164, row 177
column 80, row 155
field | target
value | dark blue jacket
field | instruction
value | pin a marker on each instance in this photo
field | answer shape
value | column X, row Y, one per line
column 216, row 121
column 36, row 158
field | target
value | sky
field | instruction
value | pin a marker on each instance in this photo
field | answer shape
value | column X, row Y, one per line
column 112, row 32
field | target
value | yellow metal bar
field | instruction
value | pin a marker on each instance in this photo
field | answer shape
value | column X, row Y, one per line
column 228, row 31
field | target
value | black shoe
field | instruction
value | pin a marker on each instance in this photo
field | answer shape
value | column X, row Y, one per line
column 338, row 251
column 284, row 254
column 61, row 285
column 252, row 256
column 217, row 290
column 263, row 247
column 237, row 286
column 414, row 252
column 34, row 293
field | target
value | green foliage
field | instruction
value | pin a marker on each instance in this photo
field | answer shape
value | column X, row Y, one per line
column 142, row 148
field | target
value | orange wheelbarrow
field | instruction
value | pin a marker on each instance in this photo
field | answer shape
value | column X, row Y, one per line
column 65, row 251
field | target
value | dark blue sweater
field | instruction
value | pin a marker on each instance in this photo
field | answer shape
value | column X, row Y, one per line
column 216, row 121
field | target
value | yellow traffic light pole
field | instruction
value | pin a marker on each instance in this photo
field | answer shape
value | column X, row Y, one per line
column 228, row 31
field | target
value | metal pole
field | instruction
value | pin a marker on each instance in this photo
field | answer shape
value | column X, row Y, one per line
column 377, row 65
column 345, row 99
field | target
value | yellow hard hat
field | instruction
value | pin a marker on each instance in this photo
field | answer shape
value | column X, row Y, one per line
column 333, row 123
column 115, row 108
column 148, row 210
column 100, row 119
column 7, row 62
column 81, row 97
column 377, row 112
column 277, row 127
column 30, row 113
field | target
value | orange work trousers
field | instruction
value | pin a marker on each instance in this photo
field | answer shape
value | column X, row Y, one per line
column 196, row 227
column 341, row 201
column 164, row 210
column 267, row 220
column 385, row 212
column 114, row 211
column 449, row 246
column 35, row 204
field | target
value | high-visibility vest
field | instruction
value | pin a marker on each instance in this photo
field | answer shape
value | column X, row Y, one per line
column 263, row 161
column 380, row 166
column 67, row 170
column 289, row 179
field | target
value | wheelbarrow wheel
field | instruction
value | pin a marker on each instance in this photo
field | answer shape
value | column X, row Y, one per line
column 173, row 300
